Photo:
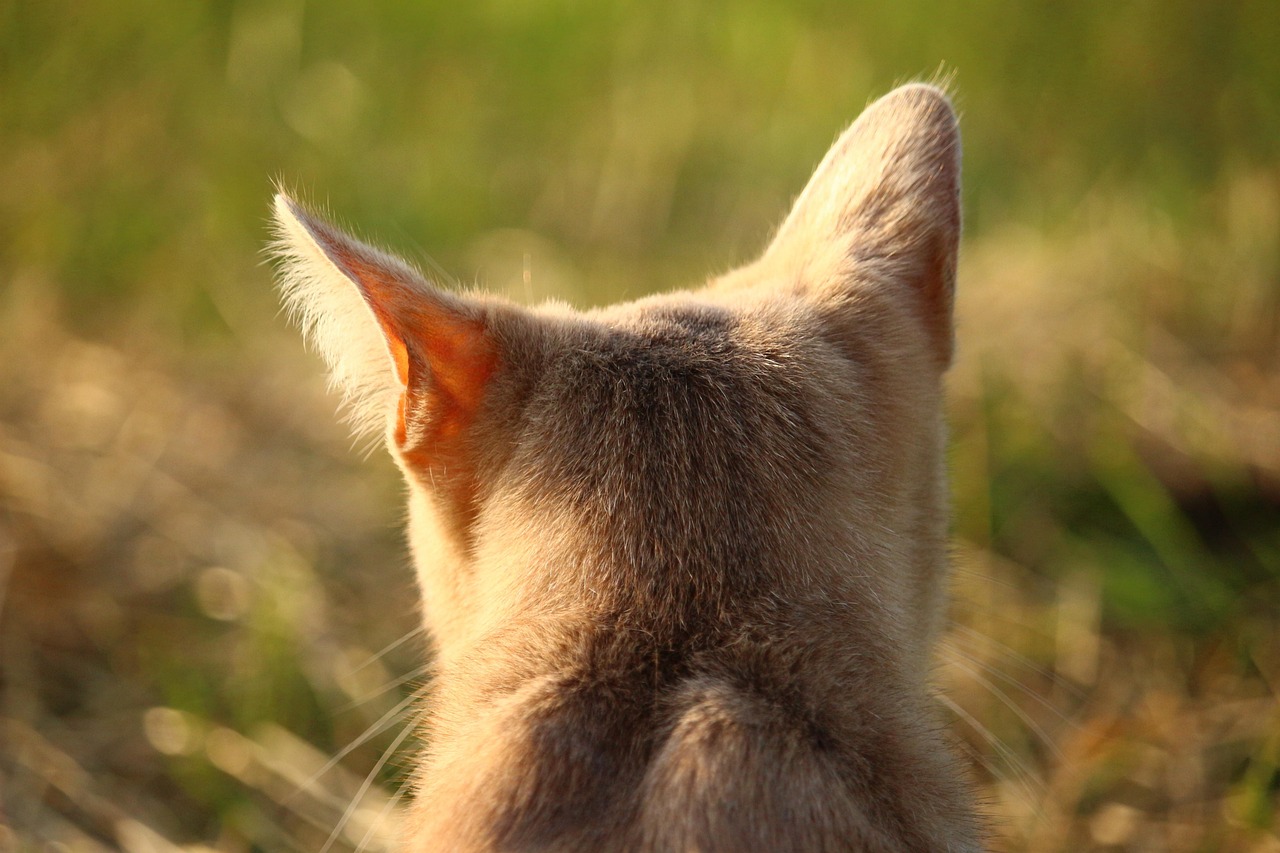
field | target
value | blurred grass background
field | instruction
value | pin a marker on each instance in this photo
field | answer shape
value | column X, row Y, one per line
column 197, row 572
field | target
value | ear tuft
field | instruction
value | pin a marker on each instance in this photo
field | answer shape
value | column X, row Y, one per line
column 334, row 316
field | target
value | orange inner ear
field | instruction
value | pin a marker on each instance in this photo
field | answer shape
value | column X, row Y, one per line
column 462, row 360
column 439, row 443
column 399, row 353
column 400, row 357
column 459, row 360
column 460, row 356
column 444, row 361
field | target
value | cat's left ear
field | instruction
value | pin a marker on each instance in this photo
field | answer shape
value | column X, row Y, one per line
column 403, row 352
column 883, row 211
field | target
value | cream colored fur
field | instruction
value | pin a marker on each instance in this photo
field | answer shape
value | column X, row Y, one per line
column 683, row 559
column 336, row 321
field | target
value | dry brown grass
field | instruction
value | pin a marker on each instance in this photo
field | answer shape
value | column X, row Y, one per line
column 196, row 569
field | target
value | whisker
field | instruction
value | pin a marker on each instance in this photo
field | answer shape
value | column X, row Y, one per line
column 1019, row 712
column 389, row 647
column 1021, row 660
column 392, row 802
column 958, row 569
column 1031, row 786
column 368, row 782
column 413, row 674
column 978, row 758
column 996, row 672
column 382, row 724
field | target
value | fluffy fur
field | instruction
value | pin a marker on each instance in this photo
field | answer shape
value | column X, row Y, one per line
column 684, row 558
column 335, row 319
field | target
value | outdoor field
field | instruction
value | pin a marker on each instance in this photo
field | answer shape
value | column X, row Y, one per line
column 208, row 622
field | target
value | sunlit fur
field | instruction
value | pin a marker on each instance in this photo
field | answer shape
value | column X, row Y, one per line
column 683, row 559
column 336, row 321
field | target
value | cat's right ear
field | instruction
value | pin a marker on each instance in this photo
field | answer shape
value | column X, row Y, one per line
column 882, row 211
column 401, row 351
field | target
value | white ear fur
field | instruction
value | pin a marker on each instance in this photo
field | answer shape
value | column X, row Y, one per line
column 336, row 321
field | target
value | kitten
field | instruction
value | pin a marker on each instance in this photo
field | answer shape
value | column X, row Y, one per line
column 683, row 559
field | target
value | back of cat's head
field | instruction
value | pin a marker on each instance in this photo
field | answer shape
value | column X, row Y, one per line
column 687, row 551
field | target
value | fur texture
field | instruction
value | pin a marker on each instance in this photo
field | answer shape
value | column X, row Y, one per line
column 684, row 558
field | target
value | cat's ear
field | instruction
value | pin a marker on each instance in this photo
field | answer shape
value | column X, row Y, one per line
column 395, row 345
column 883, row 208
